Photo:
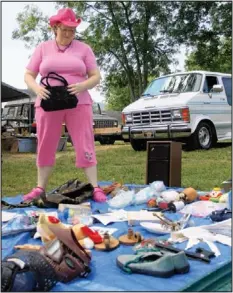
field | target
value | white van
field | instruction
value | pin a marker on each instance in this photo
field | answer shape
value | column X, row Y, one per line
column 192, row 107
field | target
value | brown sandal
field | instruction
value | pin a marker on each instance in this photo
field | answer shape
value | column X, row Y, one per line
column 109, row 243
column 117, row 189
column 108, row 189
column 131, row 238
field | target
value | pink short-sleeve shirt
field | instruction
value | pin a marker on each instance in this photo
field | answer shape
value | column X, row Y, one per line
column 73, row 64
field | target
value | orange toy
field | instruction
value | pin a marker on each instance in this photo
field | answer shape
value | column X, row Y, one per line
column 188, row 195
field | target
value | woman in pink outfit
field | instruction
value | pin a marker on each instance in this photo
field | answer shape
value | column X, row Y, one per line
column 76, row 62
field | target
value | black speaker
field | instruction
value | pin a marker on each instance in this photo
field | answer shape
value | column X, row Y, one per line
column 164, row 162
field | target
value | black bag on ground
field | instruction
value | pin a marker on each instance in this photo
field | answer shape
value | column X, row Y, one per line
column 71, row 192
column 60, row 98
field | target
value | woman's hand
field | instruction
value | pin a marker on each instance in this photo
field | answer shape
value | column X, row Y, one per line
column 76, row 88
column 42, row 92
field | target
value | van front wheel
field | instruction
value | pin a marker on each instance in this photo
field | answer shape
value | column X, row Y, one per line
column 203, row 137
column 138, row 144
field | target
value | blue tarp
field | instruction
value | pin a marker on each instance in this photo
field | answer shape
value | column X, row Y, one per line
column 106, row 276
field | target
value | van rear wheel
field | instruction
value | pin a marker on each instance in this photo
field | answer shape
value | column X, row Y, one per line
column 204, row 137
column 138, row 144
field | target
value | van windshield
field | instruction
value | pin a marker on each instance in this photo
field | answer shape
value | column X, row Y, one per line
column 180, row 83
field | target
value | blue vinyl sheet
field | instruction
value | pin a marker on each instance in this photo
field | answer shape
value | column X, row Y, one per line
column 105, row 274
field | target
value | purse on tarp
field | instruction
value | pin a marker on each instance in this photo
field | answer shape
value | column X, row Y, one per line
column 71, row 192
column 60, row 98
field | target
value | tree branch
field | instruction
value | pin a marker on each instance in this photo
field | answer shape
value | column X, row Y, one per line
column 101, row 13
column 134, row 46
column 128, row 69
column 118, row 59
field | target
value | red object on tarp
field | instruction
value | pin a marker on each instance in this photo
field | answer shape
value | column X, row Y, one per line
column 163, row 205
column 93, row 235
column 53, row 220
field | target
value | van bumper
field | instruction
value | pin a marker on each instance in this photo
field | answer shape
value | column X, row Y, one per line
column 156, row 131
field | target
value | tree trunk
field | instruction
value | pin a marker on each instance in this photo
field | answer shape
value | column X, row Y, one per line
column 128, row 69
column 135, row 48
column 145, row 41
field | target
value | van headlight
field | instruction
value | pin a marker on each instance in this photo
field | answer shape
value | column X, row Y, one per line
column 176, row 114
column 128, row 118
column 115, row 123
column 181, row 114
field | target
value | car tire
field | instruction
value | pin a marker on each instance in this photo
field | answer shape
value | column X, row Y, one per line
column 204, row 137
column 138, row 145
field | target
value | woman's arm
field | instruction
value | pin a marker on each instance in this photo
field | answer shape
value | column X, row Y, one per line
column 30, row 80
column 93, row 79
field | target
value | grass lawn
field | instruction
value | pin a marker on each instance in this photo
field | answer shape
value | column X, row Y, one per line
column 201, row 170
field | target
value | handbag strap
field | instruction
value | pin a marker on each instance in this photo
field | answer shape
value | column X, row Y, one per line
column 57, row 77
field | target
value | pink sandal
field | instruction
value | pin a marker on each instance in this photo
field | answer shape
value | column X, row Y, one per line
column 34, row 193
column 99, row 195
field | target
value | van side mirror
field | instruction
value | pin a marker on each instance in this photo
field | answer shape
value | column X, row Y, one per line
column 217, row 88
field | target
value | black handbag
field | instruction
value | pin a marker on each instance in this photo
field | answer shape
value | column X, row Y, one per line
column 60, row 98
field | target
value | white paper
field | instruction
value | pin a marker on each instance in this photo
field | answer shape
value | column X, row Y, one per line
column 105, row 219
column 213, row 248
column 202, row 208
column 144, row 216
column 7, row 216
column 223, row 239
column 122, row 215
column 192, row 242
column 196, row 234
column 223, row 227
column 102, row 230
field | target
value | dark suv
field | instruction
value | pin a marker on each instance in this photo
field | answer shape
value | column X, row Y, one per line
column 19, row 115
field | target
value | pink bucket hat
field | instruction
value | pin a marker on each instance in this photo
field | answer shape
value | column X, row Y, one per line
column 65, row 16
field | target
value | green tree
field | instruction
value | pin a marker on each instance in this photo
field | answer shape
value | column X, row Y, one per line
column 137, row 40
column 208, row 34
column 207, row 57
column 33, row 26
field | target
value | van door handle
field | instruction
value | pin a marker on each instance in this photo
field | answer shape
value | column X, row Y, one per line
column 206, row 102
column 222, row 99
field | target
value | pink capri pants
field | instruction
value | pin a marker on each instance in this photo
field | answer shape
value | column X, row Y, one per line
column 79, row 122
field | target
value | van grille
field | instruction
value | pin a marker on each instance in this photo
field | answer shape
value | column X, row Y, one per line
column 103, row 123
column 152, row 117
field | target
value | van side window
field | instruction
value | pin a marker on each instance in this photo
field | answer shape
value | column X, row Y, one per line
column 210, row 81
column 228, row 88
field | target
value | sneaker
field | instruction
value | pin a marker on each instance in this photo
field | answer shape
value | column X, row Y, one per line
column 99, row 195
column 221, row 215
column 34, row 193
